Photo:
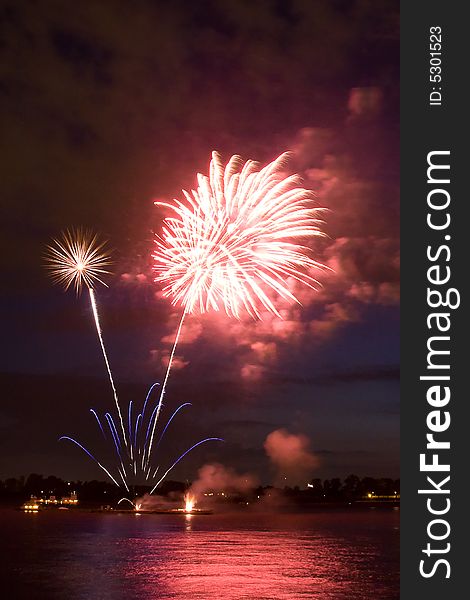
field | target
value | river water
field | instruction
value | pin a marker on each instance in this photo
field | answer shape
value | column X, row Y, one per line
column 330, row 554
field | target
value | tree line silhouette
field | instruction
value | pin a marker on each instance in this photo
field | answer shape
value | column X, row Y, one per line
column 352, row 488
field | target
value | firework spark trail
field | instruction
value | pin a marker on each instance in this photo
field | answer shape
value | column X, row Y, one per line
column 118, row 450
column 66, row 437
column 149, row 426
column 99, row 422
column 162, row 393
column 129, row 419
column 103, row 349
column 127, row 500
column 182, row 456
column 165, row 428
column 123, row 479
column 169, row 421
column 147, row 397
column 77, row 259
column 117, row 441
column 139, row 420
column 137, row 423
column 114, row 431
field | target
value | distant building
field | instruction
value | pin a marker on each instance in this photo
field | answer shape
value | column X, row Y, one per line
column 71, row 499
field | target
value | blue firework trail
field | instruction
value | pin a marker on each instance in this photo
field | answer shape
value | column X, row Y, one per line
column 66, row 437
column 211, row 439
column 78, row 259
column 93, row 412
column 170, row 420
column 136, row 462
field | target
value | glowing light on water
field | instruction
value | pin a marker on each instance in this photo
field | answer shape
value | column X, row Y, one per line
column 189, row 503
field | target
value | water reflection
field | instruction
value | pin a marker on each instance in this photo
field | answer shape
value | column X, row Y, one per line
column 330, row 556
column 188, row 519
column 260, row 563
column 237, row 565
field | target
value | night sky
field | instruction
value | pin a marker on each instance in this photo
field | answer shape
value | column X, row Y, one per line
column 107, row 106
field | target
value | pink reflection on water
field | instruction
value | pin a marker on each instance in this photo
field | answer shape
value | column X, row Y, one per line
column 257, row 564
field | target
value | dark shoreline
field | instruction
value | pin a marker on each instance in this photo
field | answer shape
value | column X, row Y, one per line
column 357, row 506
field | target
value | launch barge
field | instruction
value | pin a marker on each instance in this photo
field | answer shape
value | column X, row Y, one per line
column 171, row 511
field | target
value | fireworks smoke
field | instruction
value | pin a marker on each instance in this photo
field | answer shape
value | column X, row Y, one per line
column 215, row 477
column 290, row 454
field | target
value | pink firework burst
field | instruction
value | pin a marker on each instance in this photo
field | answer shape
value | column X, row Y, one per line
column 240, row 236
